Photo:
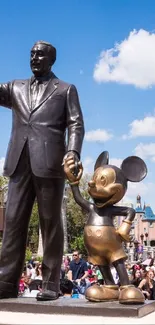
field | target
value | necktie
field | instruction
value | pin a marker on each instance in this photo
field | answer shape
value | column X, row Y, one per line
column 34, row 94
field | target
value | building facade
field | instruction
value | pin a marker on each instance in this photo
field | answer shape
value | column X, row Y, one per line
column 144, row 224
column 143, row 227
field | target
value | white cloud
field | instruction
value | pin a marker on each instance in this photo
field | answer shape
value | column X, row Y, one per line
column 141, row 188
column 131, row 61
column 88, row 161
column 115, row 162
column 140, row 128
column 98, row 135
column 1, row 165
column 88, row 165
column 145, row 150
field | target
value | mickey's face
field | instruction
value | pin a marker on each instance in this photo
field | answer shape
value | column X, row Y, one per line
column 108, row 185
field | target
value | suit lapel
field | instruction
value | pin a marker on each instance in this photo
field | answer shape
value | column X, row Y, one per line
column 26, row 92
column 49, row 90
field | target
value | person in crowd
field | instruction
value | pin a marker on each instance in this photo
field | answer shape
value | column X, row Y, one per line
column 148, row 260
column 22, row 284
column 33, row 271
column 91, row 274
column 28, row 269
column 147, row 285
column 35, row 285
column 78, row 272
column 62, row 272
column 78, row 269
column 66, row 262
column 152, row 262
column 66, row 288
column 99, row 277
column 32, row 261
column 136, row 277
column 129, row 270
column 114, row 274
column 143, row 271
column 38, row 272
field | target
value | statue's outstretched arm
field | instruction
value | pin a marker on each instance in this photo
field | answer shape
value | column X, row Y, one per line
column 79, row 199
column 6, row 94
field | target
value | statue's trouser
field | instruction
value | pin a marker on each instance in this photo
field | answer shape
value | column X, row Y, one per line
column 24, row 187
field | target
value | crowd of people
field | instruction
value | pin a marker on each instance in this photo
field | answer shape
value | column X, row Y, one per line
column 77, row 275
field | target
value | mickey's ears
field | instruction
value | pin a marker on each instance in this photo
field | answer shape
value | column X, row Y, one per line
column 134, row 169
column 103, row 159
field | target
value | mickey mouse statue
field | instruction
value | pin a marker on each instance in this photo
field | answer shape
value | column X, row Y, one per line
column 102, row 240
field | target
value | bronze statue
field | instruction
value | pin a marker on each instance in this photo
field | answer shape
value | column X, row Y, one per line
column 43, row 108
column 103, row 242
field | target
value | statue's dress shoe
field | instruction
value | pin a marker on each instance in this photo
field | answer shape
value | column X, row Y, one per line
column 46, row 295
column 8, row 294
column 102, row 293
column 131, row 295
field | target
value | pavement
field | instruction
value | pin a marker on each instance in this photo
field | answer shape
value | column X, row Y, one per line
column 10, row 318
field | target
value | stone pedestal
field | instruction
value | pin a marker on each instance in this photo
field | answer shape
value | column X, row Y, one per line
column 76, row 307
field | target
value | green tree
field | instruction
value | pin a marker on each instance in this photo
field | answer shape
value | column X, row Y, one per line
column 76, row 218
column 3, row 181
column 28, row 255
column 3, row 190
column 33, row 231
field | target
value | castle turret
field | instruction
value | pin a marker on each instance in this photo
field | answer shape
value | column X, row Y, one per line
column 138, row 204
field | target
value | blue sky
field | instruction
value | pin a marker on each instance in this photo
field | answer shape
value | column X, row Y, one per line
column 116, row 88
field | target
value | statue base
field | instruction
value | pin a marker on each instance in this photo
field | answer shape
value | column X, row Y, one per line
column 76, row 307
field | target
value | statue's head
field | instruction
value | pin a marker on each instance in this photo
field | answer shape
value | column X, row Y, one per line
column 43, row 56
column 109, row 183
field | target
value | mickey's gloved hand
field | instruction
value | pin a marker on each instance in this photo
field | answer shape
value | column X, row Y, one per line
column 124, row 230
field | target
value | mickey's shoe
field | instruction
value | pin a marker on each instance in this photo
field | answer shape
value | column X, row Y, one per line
column 102, row 293
column 131, row 295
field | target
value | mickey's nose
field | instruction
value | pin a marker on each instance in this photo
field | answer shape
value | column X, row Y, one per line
column 91, row 184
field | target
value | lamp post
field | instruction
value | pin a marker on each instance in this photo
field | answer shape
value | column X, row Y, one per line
column 130, row 251
column 142, row 245
column 146, row 235
column 64, row 217
column 142, row 238
column 136, row 250
column 130, row 244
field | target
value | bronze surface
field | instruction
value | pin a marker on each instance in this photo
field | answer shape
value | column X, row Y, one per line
column 102, row 293
column 131, row 295
column 124, row 230
column 103, row 244
column 103, row 187
column 44, row 108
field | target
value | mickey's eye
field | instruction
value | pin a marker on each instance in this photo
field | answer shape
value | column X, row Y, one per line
column 103, row 180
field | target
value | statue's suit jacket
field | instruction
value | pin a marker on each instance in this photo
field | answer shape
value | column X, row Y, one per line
column 44, row 127
column 37, row 145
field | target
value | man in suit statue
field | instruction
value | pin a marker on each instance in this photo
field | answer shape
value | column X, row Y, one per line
column 43, row 108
